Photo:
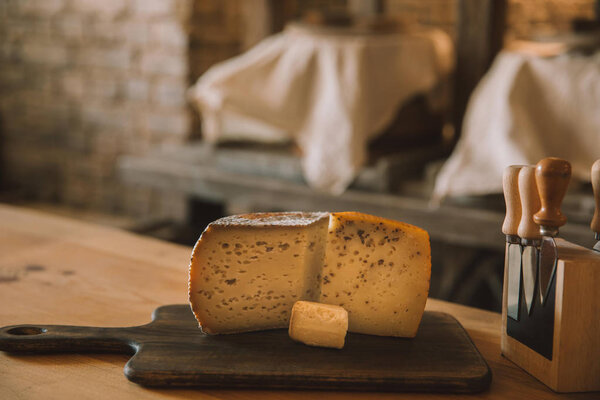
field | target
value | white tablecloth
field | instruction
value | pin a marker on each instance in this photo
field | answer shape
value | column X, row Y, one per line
column 524, row 109
column 330, row 94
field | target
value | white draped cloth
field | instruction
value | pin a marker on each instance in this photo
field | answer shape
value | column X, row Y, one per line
column 328, row 93
column 526, row 108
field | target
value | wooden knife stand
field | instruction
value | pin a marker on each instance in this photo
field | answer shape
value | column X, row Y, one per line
column 574, row 365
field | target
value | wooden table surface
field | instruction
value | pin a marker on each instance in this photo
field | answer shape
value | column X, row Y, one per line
column 59, row 271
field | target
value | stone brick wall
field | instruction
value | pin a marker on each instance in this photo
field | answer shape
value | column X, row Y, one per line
column 84, row 81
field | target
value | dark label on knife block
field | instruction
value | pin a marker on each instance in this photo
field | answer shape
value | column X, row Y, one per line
column 535, row 330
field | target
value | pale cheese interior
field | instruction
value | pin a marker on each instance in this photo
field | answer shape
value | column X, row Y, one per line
column 247, row 278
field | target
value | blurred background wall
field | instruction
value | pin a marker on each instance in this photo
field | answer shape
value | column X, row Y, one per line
column 84, row 81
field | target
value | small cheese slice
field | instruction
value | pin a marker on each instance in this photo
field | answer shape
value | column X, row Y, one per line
column 317, row 324
column 247, row 271
column 379, row 271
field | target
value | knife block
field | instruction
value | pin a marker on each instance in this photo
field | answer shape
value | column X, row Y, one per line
column 575, row 361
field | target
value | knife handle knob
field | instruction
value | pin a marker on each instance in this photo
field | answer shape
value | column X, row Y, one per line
column 510, row 184
column 530, row 203
column 552, row 176
column 595, row 225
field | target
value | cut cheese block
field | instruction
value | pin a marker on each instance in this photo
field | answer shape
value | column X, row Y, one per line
column 379, row 271
column 247, row 271
column 317, row 324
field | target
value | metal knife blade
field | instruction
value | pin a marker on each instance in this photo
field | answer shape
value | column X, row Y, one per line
column 530, row 266
column 513, row 260
column 595, row 223
column 597, row 245
column 510, row 227
column 548, row 257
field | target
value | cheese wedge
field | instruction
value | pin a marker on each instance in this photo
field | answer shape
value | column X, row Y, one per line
column 378, row 270
column 317, row 324
column 247, row 271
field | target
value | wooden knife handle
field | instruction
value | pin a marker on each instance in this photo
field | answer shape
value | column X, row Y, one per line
column 530, row 204
column 552, row 176
column 510, row 184
column 595, row 225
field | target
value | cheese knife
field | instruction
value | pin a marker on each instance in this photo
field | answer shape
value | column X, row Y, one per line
column 512, row 256
column 552, row 176
column 595, row 225
column 529, row 232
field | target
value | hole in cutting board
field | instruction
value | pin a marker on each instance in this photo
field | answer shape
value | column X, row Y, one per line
column 26, row 331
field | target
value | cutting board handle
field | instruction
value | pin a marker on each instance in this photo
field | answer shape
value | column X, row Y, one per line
column 67, row 339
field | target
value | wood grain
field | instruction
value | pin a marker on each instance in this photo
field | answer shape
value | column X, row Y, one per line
column 580, row 319
column 105, row 277
column 530, row 204
column 552, row 176
column 575, row 366
column 187, row 169
column 172, row 351
column 512, row 199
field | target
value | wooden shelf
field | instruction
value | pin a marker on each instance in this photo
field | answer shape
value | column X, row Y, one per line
column 195, row 170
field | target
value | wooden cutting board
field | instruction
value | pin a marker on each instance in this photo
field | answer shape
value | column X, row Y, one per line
column 172, row 351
